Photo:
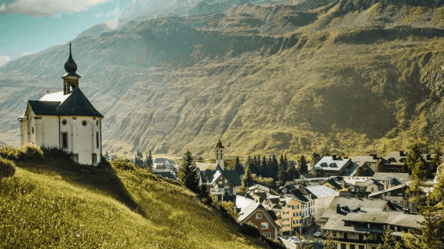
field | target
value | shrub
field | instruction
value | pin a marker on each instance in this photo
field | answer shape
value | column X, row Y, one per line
column 123, row 165
column 31, row 153
column 26, row 153
column 7, row 168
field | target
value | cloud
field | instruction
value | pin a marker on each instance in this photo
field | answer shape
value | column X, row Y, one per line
column 115, row 12
column 4, row 59
column 26, row 53
column 37, row 8
column 100, row 14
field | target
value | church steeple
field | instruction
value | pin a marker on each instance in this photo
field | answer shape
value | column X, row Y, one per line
column 70, row 78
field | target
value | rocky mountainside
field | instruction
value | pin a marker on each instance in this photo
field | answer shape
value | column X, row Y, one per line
column 345, row 76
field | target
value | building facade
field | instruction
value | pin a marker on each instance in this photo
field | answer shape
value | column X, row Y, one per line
column 65, row 120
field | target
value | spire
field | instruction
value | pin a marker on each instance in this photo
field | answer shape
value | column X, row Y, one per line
column 70, row 64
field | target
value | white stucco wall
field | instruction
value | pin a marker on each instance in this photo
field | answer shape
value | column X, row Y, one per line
column 81, row 139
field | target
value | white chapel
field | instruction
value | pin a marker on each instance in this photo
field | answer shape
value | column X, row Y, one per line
column 65, row 120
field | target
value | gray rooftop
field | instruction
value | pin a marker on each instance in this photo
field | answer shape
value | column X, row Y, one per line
column 329, row 163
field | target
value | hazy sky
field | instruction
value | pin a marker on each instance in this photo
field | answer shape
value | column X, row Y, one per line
column 29, row 26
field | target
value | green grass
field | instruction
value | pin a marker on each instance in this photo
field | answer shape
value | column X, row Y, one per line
column 53, row 205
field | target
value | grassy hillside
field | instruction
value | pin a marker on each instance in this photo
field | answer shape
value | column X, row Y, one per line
column 58, row 204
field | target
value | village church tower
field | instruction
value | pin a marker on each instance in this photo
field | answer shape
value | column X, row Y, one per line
column 65, row 120
column 220, row 154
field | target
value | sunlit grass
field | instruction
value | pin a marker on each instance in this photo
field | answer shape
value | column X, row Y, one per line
column 51, row 210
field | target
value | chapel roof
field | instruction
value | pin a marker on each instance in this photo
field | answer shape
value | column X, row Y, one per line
column 75, row 105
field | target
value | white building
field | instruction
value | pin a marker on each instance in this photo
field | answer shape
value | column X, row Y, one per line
column 65, row 120
column 323, row 196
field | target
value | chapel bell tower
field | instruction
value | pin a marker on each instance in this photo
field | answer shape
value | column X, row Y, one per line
column 70, row 78
column 220, row 154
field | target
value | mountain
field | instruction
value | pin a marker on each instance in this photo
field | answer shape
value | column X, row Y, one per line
column 280, row 77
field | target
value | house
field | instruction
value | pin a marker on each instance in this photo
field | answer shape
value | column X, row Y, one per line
column 254, row 214
column 221, row 182
column 398, row 196
column 360, row 224
column 259, row 192
column 370, row 164
column 396, row 162
column 331, row 166
column 354, row 203
column 299, row 193
column 322, row 196
column 163, row 163
column 363, row 188
column 391, row 179
column 335, row 184
column 65, row 120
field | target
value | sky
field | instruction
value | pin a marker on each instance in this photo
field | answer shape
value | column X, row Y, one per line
column 29, row 26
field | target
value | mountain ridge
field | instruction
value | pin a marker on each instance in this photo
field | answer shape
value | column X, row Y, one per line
column 339, row 77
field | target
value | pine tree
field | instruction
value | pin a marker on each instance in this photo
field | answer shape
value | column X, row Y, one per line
column 282, row 171
column 302, row 165
column 273, row 167
column 412, row 157
column 292, row 173
column 238, row 167
column 188, row 174
column 265, row 168
column 149, row 160
column 315, row 158
column 418, row 177
column 329, row 244
column 430, row 234
column 389, row 240
column 434, row 164
column 247, row 179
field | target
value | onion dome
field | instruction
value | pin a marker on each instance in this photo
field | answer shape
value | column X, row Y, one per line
column 70, row 65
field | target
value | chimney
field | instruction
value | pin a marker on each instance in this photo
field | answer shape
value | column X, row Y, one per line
column 402, row 153
column 334, row 157
column 338, row 208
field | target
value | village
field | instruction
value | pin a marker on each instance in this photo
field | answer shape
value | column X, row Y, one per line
column 353, row 200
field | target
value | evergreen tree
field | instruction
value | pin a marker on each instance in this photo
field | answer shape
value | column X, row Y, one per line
column 188, row 174
column 302, row 165
column 412, row 157
column 430, row 233
column 292, row 173
column 273, row 167
column 418, row 177
column 282, row 171
column 329, row 244
column 265, row 168
column 390, row 241
column 149, row 160
column 204, row 192
column 238, row 167
column 434, row 164
column 247, row 179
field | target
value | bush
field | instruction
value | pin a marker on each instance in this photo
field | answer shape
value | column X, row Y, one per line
column 25, row 153
column 31, row 153
column 123, row 165
column 7, row 168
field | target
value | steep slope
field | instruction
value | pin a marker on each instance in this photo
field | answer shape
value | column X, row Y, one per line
column 70, row 207
column 327, row 76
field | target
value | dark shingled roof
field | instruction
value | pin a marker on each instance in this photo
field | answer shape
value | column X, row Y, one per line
column 75, row 105
column 44, row 107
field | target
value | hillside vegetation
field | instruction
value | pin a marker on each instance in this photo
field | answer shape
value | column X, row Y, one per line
column 58, row 204
column 348, row 76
